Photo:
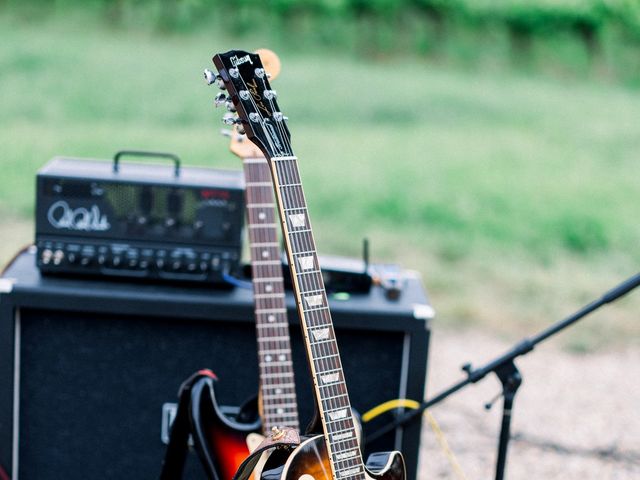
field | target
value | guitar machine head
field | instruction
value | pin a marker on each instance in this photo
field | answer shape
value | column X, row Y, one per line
column 251, row 101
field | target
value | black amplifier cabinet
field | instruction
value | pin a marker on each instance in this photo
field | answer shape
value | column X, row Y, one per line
column 89, row 369
column 138, row 220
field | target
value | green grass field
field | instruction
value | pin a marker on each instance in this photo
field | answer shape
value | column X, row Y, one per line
column 516, row 197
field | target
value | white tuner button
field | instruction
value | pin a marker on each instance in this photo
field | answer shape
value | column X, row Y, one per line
column 209, row 76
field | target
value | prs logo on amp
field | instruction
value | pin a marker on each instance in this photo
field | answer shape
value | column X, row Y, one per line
column 62, row 216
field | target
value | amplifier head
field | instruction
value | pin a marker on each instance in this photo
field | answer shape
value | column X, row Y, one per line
column 138, row 220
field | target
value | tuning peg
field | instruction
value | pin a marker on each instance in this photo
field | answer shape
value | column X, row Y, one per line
column 230, row 106
column 240, row 128
column 225, row 132
column 259, row 72
column 279, row 117
column 209, row 76
column 231, row 119
column 270, row 94
column 221, row 98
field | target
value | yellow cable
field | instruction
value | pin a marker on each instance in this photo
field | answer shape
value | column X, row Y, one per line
column 390, row 405
column 407, row 403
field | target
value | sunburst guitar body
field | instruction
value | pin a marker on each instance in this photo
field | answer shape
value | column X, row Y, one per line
column 310, row 461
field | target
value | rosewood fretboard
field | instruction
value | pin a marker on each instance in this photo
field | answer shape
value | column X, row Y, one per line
column 277, row 389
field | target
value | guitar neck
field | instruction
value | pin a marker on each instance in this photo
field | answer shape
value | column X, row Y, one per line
column 322, row 349
column 277, row 388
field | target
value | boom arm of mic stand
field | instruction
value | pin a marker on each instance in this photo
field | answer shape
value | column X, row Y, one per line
column 523, row 347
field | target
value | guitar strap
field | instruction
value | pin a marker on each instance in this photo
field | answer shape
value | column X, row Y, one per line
column 193, row 398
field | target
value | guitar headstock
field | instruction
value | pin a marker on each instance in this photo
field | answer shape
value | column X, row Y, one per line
column 251, row 102
column 239, row 144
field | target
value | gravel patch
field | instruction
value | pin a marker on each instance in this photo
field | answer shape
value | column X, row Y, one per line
column 575, row 416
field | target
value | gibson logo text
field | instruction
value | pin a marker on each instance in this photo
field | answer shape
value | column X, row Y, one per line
column 235, row 61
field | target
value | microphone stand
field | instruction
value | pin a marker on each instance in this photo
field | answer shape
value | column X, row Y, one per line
column 508, row 374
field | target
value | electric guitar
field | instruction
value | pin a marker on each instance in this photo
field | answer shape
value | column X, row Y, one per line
column 232, row 441
column 336, row 454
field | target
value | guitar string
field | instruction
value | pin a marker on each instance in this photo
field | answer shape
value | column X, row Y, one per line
column 288, row 172
column 339, row 388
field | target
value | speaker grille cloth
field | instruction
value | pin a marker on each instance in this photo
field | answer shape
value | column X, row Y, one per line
column 93, row 386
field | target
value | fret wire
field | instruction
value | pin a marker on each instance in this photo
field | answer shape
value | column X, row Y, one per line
column 282, row 386
column 267, row 398
column 277, row 280
column 284, row 415
column 271, row 375
column 308, row 272
column 284, row 405
column 275, row 365
column 262, row 225
column 316, row 309
column 258, row 184
column 308, row 252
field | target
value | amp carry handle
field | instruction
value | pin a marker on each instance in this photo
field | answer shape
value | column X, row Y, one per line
column 143, row 153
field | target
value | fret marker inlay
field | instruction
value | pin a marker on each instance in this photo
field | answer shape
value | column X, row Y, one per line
column 338, row 414
column 313, row 300
column 297, row 220
column 321, row 334
column 345, row 455
column 342, row 436
column 350, row 471
column 265, row 254
column 330, row 377
column 271, row 318
column 262, row 215
column 306, row 263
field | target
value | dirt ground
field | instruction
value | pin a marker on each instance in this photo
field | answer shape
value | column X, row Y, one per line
column 575, row 416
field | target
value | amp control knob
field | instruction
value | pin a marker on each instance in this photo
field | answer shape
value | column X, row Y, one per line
column 47, row 254
column 58, row 256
